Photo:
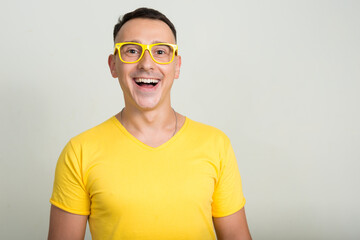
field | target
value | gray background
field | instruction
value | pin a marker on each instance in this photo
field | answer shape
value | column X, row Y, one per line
column 280, row 78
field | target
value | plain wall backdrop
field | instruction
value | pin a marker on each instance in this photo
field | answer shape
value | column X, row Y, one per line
column 280, row 78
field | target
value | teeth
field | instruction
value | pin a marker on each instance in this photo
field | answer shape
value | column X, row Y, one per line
column 145, row 80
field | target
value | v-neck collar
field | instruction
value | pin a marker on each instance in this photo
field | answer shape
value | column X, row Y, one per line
column 145, row 146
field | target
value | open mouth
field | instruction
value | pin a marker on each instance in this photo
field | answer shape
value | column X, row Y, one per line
column 146, row 82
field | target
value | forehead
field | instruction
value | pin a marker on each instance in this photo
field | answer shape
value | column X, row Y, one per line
column 145, row 31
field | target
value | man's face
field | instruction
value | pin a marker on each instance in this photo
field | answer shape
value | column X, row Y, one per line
column 145, row 96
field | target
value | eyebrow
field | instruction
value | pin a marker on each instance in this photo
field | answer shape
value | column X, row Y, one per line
column 137, row 41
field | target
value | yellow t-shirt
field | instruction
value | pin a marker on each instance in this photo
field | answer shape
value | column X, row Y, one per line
column 133, row 191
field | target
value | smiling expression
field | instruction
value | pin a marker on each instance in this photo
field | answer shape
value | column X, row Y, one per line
column 145, row 84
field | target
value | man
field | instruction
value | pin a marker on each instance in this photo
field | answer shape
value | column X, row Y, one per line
column 148, row 172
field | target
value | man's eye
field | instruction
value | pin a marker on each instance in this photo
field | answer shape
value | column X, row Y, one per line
column 160, row 52
column 132, row 51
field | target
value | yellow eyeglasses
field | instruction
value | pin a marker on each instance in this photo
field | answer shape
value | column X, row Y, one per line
column 131, row 52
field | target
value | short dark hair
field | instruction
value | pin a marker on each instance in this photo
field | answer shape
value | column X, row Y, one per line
column 146, row 13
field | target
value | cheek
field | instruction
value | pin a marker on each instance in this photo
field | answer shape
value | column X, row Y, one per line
column 123, row 78
column 169, row 71
column 123, row 71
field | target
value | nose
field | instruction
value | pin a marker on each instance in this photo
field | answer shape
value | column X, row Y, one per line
column 146, row 62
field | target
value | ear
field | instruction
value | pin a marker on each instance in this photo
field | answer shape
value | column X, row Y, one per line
column 111, row 62
column 177, row 67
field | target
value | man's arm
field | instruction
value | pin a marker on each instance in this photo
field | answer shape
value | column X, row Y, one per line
column 232, row 227
column 65, row 225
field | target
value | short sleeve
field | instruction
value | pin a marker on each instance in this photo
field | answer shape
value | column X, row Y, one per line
column 69, row 192
column 228, row 195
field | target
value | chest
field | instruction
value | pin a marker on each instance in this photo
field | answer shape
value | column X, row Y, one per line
column 151, row 181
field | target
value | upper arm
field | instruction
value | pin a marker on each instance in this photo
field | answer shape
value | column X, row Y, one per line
column 65, row 225
column 228, row 195
column 232, row 227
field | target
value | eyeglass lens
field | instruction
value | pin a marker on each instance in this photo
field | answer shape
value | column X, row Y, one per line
column 132, row 52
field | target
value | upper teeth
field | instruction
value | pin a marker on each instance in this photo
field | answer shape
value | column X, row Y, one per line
column 144, row 80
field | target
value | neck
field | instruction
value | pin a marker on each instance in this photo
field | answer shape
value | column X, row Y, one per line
column 152, row 127
column 146, row 122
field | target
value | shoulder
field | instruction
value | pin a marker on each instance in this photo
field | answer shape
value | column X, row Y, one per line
column 207, row 133
column 205, row 129
column 95, row 134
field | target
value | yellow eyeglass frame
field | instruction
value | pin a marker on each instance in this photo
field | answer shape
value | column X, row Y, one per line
column 145, row 47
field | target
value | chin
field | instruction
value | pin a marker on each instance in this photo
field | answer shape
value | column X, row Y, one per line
column 148, row 105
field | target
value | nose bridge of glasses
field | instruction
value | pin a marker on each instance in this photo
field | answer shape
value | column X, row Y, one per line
column 148, row 48
column 145, row 56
